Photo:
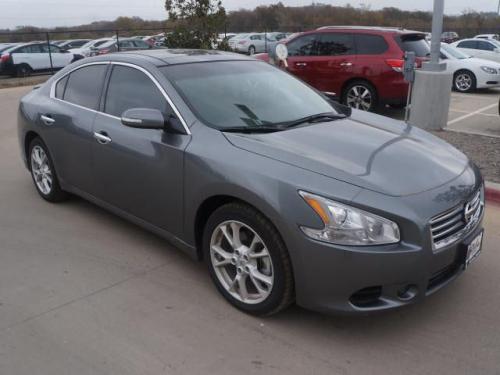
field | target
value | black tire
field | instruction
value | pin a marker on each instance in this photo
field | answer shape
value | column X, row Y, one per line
column 56, row 194
column 23, row 70
column 462, row 86
column 366, row 86
column 282, row 292
column 251, row 50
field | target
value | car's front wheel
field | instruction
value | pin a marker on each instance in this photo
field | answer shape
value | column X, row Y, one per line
column 464, row 81
column 248, row 260
column 43, row 172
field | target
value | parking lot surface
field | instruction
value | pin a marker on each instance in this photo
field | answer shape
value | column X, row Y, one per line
column 84, row 292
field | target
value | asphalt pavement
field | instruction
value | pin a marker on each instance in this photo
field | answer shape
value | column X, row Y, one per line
column 85, row 292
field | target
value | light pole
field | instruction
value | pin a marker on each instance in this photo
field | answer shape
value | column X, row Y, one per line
column 432, row 87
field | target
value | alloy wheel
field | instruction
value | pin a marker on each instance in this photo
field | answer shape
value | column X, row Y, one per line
column 463, row 82
column 241, row 262
column 359, row 97
column 40, row 168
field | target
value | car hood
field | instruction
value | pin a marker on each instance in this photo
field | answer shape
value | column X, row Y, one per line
column 478, row 62
column 366, row 150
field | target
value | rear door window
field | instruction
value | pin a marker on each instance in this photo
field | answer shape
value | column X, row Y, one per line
column 84, row 86
column 472, row 44
column 141, row 44
column 367, row 44
column 414, row 43
column 303, row 46
column 35, row 48
column 335, row 44
column 130, row 88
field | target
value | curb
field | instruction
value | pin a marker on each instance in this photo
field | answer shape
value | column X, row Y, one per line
column 7, row 83
column 492, row 192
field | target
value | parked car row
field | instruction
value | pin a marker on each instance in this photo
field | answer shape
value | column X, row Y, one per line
column 23, row 59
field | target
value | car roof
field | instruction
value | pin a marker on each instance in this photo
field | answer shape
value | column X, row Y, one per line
column 161, row 57
column 478, row 39
column 394, row 30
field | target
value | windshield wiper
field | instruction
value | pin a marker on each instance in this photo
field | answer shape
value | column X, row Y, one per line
column 320, row 117
column 251, row 129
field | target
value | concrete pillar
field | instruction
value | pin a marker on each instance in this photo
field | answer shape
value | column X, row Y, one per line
column 431, row 93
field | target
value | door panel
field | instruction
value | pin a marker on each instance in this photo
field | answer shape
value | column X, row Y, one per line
column 335, row 62
column 70, row 143
column 301, row 52
column 141, row 172
column 73, row 112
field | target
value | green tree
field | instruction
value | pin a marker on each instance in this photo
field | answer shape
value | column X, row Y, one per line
column 196, row 23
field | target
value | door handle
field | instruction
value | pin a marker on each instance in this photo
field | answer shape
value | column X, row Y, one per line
column 102, row 138
column 301, row 64
column 346, row 64
column 47, row 120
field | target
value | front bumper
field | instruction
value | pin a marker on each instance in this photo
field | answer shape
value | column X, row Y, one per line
column 348, row 281
column 485, row 80
column 352, row 280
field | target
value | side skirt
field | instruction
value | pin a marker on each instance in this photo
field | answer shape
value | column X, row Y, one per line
column 175, row 241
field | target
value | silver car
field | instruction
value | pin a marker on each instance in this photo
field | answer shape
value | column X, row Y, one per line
column 286, row 196
column 254, row 43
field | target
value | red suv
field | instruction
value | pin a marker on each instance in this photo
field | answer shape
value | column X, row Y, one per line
column 362, row 65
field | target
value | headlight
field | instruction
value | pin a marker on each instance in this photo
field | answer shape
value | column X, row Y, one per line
column 489, row 70
column 345, row 225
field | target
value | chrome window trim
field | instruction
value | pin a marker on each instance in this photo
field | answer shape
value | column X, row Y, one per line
column 141, row 69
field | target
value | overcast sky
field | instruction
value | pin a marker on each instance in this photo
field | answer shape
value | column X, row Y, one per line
column 72, row 12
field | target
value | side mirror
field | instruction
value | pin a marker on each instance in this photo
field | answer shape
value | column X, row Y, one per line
column 143, row 118
column 331, row 95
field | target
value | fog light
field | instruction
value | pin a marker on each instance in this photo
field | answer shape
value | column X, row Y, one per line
column 407, row 292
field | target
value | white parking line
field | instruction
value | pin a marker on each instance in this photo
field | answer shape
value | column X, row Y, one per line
column 458, row 119
column 482, row 114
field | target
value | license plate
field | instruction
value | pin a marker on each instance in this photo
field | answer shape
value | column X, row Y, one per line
column 474, row 249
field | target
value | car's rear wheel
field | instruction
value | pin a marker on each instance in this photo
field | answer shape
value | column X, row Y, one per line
column 43, row 172
column 464, row 81
column 23, row 70
column 360, row 95
column 251, row 50
column 248, row 260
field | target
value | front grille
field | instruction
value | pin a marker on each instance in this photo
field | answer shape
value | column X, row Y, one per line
column 452, row 225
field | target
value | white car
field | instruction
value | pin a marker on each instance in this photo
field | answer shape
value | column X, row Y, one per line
column 488, row 36
column 469, row 73
column 24, row 59
column 488, row 49
column 86, row 49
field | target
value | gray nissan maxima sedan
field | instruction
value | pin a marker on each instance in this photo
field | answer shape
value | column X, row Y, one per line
column 285, row 195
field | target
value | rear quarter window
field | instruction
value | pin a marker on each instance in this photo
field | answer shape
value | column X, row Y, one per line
column 60, row 87
column 370, row 44
column 414, row 43
column 84, row 86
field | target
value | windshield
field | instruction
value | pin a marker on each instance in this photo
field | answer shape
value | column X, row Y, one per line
column 249, row 94
column 453, row 52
